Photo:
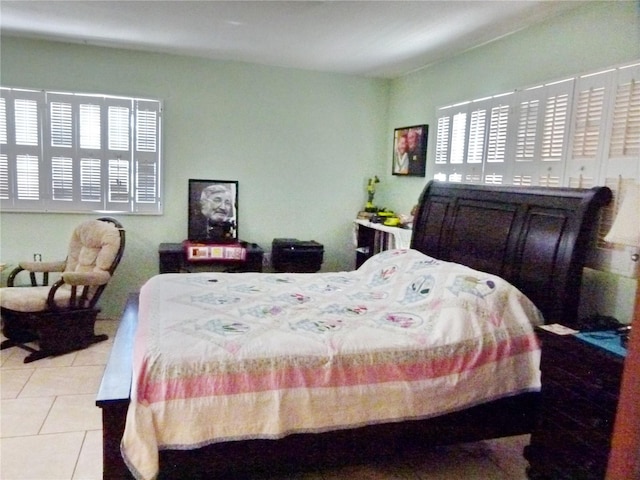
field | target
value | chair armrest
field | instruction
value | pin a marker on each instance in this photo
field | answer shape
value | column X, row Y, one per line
column 41, row 267
column 86, row 278
column 32, row 268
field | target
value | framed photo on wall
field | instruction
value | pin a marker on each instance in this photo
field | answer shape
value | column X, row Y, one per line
column 410, row 150
column 213, row 211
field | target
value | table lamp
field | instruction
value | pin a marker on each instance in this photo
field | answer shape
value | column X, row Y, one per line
column 624, row 460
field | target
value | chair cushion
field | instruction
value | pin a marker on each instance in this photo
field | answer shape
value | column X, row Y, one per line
column 32, row 299
column 93, row 247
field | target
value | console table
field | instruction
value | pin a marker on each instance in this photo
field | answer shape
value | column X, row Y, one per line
column 172, row 259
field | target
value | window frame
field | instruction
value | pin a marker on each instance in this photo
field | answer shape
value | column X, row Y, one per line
column 78, row 170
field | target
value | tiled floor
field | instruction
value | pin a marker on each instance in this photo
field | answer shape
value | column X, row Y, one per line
column 50, row 428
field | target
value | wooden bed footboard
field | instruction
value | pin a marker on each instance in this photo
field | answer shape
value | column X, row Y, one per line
column 114, row 392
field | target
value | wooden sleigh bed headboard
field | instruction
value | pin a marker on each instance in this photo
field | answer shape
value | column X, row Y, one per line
column 536, row 238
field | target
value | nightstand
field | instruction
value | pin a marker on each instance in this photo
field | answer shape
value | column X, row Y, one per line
column 580, row 385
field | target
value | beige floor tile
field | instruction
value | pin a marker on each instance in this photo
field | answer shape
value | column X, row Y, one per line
column 89, row 465
column 445, row 463
column 107, row 326
column 20, row 417
column 40, row 457
column 5, row 354
column 63, row 381
column 73, row 413
column 17, row 360
column 96, row 354
column 12, row 381
column 373, row 471
column 507, row 453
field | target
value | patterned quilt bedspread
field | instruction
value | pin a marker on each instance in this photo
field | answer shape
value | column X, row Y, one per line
column 230, row 356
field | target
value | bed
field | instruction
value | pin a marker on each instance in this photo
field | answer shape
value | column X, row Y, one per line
column 471, row 244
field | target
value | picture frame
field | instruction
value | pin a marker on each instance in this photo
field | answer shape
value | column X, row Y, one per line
column 213, row 211
column 409, row 156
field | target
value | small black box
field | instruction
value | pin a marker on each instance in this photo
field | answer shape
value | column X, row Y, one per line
column 296, row 256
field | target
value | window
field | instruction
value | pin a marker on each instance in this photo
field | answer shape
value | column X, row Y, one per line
column 68, row 152
column 577, row 132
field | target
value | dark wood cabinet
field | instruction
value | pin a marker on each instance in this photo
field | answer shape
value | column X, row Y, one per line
column 580, row 387
column 172, row 259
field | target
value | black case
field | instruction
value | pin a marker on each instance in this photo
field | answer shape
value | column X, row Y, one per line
column 296, row 256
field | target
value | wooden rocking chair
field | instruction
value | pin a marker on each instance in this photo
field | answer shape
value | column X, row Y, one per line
column 60, row 318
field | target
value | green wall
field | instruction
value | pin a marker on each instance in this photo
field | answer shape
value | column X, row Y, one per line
column 301, row 144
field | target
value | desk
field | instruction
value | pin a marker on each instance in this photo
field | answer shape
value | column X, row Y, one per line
column 172, row 259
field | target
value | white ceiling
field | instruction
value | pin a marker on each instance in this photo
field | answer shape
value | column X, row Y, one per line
column 373, row 38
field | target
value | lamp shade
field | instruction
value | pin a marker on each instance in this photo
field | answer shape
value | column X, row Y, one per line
column 626, row 227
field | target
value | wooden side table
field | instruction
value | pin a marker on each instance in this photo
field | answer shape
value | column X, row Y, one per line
column 580, row 385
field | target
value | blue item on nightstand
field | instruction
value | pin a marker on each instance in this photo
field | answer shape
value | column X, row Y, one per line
column 606, row 339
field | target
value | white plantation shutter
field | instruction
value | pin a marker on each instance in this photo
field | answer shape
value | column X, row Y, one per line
column 26, row 122
column 4, row 176
column 62, row 178
column 90, row 180
column 118, row 121
column 539, row 132
column 4, row 159
column 588, row 122
column 625, row 136
column 555, row 127
column 477, row 126
column 146, row 154
column 28, row 175
column 496, row 167
column 90, row 123
column 458, row 136
column 443, row 137
column 497, row 137
column 527, row 130
column 469, row 137
column 588, row 130
column 76, row 153
column 619, row 160
column 61, row 123
column 117, row 155
column 3, row 121
column 118, row 181
column 442, row 140
column 577, row 132
column 451, row 143
column 625, row 129
column 21, row 172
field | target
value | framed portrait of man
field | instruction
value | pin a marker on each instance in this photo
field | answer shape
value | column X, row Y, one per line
column 213, row 211
column 410, row 150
